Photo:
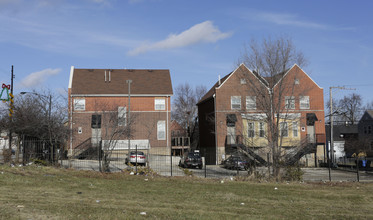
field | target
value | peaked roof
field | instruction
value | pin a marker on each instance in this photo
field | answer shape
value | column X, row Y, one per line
column 369, row 113
column 113, row 82
column 267, row 81
column 211, row 92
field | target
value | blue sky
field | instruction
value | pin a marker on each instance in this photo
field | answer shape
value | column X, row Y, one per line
column 197, row 40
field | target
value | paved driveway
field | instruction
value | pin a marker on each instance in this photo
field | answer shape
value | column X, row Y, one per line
column 165, row 168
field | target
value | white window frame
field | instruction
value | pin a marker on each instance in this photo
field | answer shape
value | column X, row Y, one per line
column 289, row 102
column 161, row 130
column 282, row 129
column 251, row 102
column 262, row 131
column 295, row 129
column 234, row 102
column 304, row 102
column 250, row 129
column 79, row 104
column 122, row 116
column 160, row 104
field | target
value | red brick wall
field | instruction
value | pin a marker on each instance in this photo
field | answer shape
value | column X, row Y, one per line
column 142, row 111
column 232, row 87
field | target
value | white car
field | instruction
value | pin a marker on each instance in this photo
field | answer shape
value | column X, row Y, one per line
column 138, row 158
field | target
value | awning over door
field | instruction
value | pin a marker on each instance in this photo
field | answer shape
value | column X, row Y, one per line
column 311, row 118
column 231, row 120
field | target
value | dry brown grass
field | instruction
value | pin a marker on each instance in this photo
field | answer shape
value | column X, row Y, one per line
column 48, row 193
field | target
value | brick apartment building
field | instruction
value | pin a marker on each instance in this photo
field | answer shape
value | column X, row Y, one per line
column 96, row 94
column 230, row 114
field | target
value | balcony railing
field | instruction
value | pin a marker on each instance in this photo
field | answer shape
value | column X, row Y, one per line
column 180, row 142
column 233, row 139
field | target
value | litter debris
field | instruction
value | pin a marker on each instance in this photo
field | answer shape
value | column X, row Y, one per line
column 142, row 213
column 222, row 181
column 98, row 201
column 231, row 178
column 132, row 173
column 2, row 172
column 275, row 188
column 242, row 203
column 146, row 179
column 20, row 206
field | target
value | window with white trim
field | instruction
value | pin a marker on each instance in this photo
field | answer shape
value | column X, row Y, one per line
column 304, row 102
column 79, row 104
column 122, row 116
column 161, row 130
column 261, row 129
column 284, row 129
column 159, row 104
column 289, row 102
column 295, row 129
column 250, row 129
column 235, row 102
column 251, row 102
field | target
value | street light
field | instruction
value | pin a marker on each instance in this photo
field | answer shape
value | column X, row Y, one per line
column 129, row 121
column 47, row 97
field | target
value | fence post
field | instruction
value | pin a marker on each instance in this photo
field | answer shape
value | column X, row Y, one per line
column 136, row 161
column 23, row 150
column 171, row 160
column 204, row 153
column 99, row 156
column 357, row 169
column 269, row 167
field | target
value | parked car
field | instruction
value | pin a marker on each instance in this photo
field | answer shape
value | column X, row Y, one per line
column 235, row 162
column 191, row 160
column 139, row 158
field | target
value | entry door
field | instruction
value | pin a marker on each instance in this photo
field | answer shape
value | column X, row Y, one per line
column 231, row 135
column 96, row 136
column 311, row 133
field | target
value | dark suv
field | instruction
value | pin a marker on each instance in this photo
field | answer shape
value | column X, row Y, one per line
column 191, row 160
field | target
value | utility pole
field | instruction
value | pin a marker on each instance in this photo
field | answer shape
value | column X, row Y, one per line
column 11, row 118
column 331, row 118
column 129, row 119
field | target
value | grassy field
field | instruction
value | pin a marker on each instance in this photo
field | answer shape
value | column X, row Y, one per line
column 48, row 193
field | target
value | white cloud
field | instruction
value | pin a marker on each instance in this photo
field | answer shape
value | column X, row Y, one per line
column 288, row 19
column 135, row 1
column 204, row 32
column 37, row 78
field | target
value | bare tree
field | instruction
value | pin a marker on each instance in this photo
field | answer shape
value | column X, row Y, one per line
column 110, row 124
column 350, row 108
column 369, row 105
column 184, row 108
column 38, row 115
column 269, row 61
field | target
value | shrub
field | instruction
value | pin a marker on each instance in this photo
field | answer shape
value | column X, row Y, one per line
column 293, row 173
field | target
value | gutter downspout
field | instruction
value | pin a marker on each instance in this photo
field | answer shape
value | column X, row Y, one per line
column 167, row 137
column 216, row 135
column 71, row 113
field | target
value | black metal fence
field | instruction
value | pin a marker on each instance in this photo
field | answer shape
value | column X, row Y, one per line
column 166, row 164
